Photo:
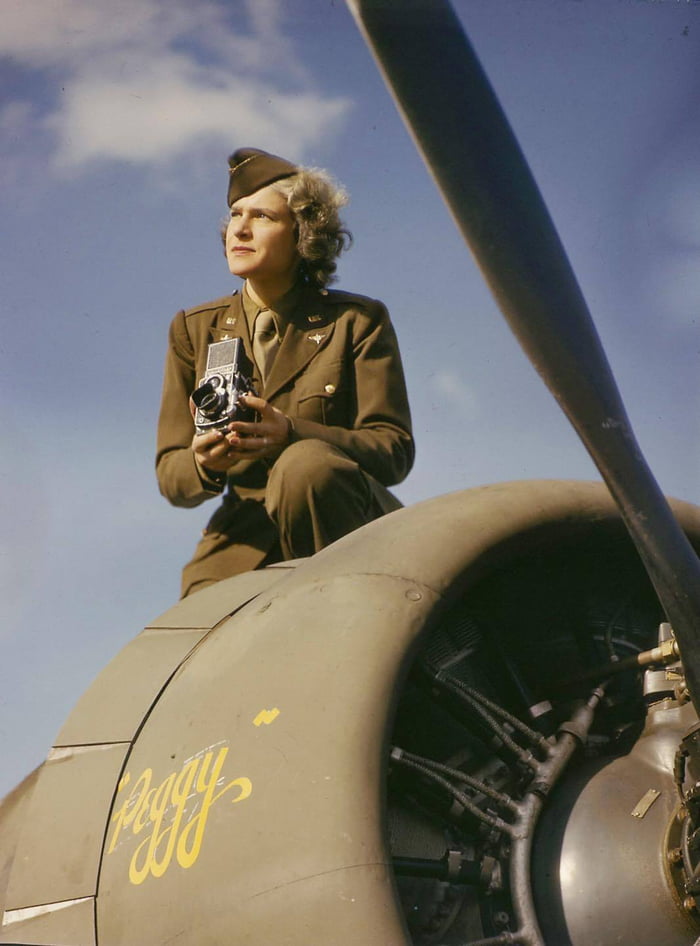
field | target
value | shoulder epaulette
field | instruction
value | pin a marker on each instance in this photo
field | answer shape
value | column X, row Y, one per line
column 341, row 297
column 221, row 303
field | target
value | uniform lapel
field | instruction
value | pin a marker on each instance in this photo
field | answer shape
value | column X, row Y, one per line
column 309, row 330
column 231, row 321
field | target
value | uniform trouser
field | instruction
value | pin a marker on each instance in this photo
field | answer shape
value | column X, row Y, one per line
column 315, row 494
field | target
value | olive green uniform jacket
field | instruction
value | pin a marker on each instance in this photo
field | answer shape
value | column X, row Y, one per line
column 337, row 374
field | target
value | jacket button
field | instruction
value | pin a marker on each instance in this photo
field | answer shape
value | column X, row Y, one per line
column 329, row 389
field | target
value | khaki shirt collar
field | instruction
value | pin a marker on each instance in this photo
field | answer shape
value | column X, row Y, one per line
column 282, row 312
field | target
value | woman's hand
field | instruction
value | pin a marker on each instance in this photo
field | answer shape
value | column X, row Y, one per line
column 263, row 438
column 217, row 450
column 212, row 451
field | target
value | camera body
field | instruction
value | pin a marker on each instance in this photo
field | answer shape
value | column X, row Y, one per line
column 226, row 379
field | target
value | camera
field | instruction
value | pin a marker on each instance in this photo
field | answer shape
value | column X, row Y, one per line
column 226, row 380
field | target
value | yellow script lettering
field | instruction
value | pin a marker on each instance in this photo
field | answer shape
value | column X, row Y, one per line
column 186, row 856
column 124, row 816
column 173, row 814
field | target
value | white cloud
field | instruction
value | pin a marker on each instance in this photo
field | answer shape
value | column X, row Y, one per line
column 156, row 118
column 148, row 81
column 672, row 282
column 458, row 395
column 61, row 32
column 668, row 202
column 683, row 211
column 667, row 232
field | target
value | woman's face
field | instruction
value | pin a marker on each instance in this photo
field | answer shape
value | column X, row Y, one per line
column 261, row 238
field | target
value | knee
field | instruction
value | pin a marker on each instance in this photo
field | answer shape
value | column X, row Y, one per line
column 307, row 467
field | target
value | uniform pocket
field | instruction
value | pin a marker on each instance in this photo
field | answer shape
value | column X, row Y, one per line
column 317, row 406
column 322, row 396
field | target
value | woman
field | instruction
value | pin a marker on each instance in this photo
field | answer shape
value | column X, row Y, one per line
column 334, row 426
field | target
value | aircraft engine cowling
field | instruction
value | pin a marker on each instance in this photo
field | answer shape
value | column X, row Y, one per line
column 399, row 741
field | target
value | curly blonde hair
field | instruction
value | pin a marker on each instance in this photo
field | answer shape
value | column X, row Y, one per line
column 314, row 200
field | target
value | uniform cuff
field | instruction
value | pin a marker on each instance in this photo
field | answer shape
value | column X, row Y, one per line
column 211, row 481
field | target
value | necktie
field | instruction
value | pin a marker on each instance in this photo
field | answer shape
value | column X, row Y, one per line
column 265, row 342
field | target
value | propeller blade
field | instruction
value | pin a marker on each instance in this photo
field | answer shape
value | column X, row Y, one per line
column 474, row 157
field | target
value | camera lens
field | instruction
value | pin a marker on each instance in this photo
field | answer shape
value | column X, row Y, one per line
column 210, row 397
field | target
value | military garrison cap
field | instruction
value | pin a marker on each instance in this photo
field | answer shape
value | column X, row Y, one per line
column 251, row 169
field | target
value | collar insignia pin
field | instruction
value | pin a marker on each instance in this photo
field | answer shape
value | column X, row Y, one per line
column 231, row 320
column 318, row 338
column 315, row 318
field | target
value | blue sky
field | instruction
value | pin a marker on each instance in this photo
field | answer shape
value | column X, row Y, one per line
column 116, row 119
